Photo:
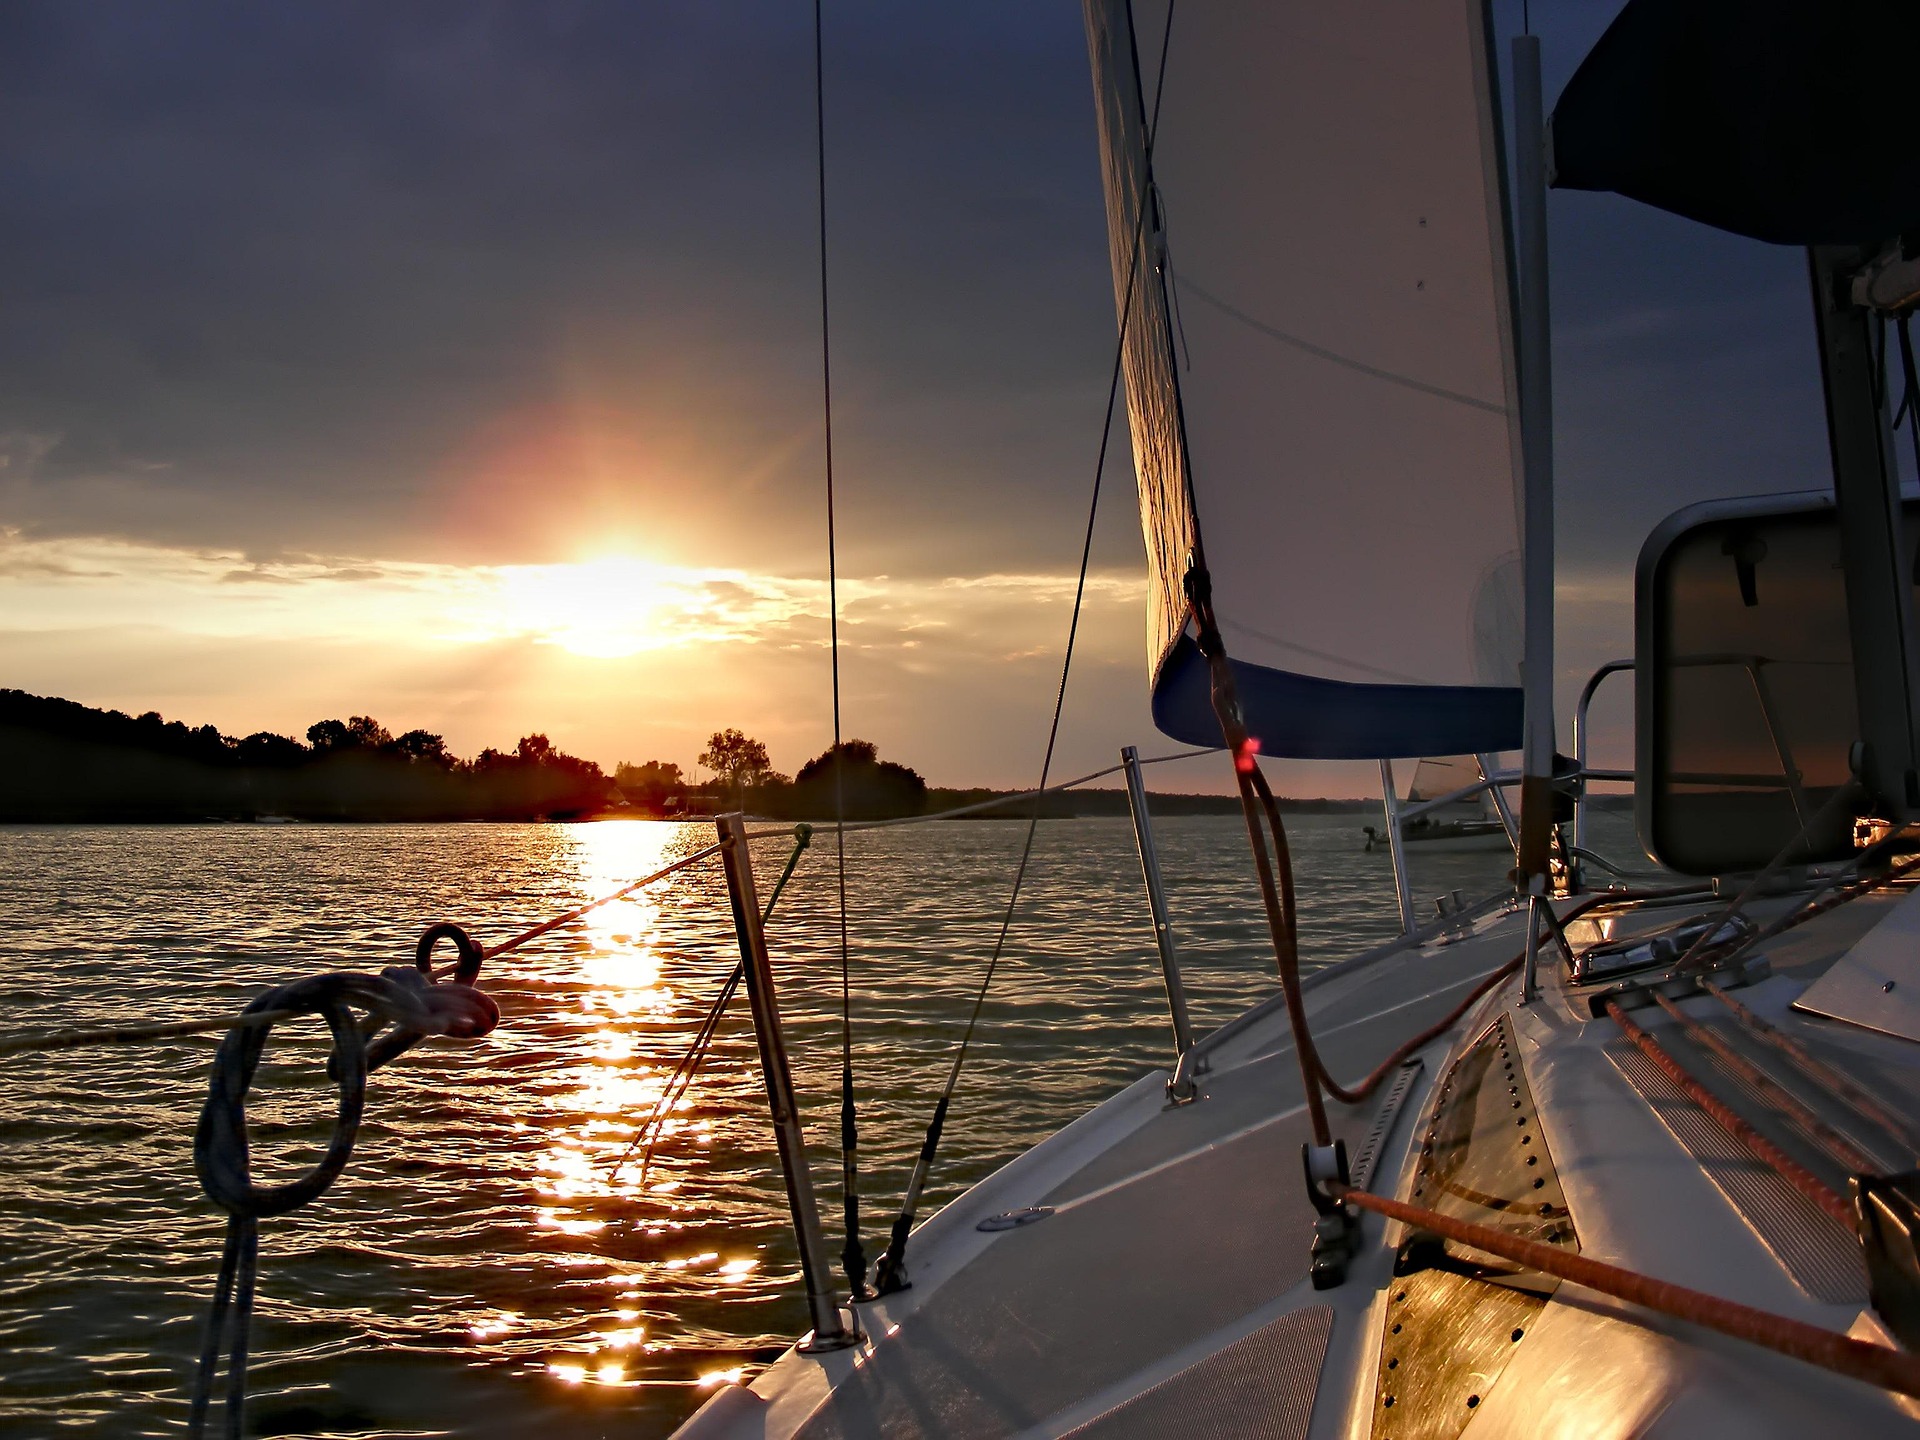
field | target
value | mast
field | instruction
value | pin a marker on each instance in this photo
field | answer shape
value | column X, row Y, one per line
column 1875, row 555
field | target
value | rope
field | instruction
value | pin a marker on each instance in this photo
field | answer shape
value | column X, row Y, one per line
column 1792, row 1171
column 1256, row 802
column 853, row 1258
column 1843, row 796
column 1855, row 1098
column 403, row 1006
column 1838, row 1147
column 890, row 1274
column 402, row 997
column 508, row 946
column 690, row 1061
column 1876, row 1364
column 1859, row 1101
column 1837, row 893
column 253, row 1018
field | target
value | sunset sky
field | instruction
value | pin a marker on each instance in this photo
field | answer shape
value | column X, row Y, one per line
column 459, row 365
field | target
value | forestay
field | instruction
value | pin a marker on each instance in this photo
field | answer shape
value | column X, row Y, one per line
column 1319, row 365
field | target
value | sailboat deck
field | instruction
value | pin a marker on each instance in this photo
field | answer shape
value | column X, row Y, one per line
column 1167, row 1292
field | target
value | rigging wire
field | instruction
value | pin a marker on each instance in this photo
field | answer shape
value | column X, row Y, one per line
column 1910, row 400
column 853, row 1257
column 681, row 1080
column 890, row 1273
column 997, row 801
column 254, row 1019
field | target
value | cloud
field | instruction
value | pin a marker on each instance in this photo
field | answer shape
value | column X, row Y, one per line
column 611, row 655
column 472, row 286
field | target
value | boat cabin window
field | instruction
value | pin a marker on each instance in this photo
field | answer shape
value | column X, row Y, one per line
column 1745, row 708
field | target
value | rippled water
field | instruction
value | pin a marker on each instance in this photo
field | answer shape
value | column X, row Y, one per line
column 479, row 1270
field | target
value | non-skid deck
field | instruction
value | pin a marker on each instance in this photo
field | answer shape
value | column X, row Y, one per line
column 1166, row 1293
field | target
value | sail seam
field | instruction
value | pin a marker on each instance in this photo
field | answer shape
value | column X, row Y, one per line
column 1320, row 352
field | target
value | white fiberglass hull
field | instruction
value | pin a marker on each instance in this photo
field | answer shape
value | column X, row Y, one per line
column 1167, row 1291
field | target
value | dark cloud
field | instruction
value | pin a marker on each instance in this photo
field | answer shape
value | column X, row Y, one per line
column 482, row 282
column 479, row 276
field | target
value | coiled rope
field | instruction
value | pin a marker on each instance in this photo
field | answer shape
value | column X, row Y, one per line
column 409, row 1005
column 402, row 1006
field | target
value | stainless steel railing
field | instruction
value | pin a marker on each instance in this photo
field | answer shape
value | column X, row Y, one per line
column 830, row 1328
column 1180, row 1088
column 1580, row 731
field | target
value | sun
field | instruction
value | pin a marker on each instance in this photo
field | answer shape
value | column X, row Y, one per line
column 605, row 608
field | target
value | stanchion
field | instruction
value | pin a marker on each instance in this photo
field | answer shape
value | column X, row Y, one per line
column 830, row 1329
column 1180, row 1088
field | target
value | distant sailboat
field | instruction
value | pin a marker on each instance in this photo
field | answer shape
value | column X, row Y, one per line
column 1472, row 823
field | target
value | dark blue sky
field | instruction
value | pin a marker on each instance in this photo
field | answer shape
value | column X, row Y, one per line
column 481, row 284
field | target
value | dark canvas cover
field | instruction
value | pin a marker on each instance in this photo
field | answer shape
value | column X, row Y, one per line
column 1792, row 121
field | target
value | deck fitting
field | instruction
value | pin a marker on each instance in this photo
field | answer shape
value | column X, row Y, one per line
column 1336, row 1233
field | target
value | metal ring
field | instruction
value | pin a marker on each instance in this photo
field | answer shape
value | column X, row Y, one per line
column 466, row 965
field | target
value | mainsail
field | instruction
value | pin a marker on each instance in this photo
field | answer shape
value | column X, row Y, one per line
column 1319, row 363
column 1442, row 775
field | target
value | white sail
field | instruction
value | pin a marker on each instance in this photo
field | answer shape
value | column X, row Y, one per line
column 1319, row 362
column 1436, row 776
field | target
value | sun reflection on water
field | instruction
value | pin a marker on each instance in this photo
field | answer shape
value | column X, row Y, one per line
column 625, row 996
column 628, row 1026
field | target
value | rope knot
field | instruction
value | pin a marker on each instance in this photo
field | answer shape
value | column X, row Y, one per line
column 402, row 1005
column 417, row 1007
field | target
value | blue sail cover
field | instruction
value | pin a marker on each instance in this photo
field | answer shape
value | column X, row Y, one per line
column 1319, row 366
column 1303, row 717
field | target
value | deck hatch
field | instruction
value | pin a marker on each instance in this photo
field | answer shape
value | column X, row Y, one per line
column 1453, row 1319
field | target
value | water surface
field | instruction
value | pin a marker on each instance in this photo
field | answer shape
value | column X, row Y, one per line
column 481, row 1269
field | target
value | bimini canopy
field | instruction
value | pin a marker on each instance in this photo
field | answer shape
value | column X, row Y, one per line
column 1786, row 120
column 1319, row 365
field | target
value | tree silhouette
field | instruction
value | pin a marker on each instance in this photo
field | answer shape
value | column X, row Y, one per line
column 869, row 788
column 323, row 735
column 263, row 747
column 63, row 761
column 362, row 732
column 425, row 748
column 739, row 760
column 656, row 785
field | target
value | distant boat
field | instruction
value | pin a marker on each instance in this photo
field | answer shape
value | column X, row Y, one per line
column 1469, row 824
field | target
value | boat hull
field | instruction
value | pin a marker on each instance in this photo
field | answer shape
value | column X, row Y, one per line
column 1167, row 1283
